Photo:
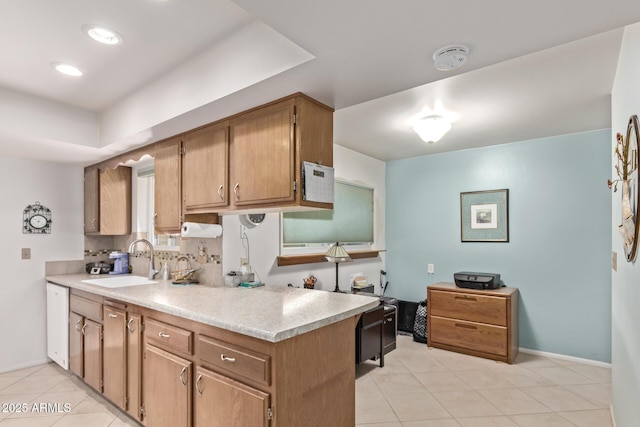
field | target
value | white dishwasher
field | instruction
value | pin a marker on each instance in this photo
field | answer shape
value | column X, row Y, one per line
column 58, row 324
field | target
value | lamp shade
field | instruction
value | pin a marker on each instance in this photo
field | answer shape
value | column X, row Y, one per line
column 431, row 128
column 337, row 253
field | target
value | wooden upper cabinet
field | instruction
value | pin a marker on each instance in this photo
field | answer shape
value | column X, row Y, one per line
column 262, row 156
column 167, row 187
column 268, row 146
column 115, row 201
column 92, row 200
column 205, row 180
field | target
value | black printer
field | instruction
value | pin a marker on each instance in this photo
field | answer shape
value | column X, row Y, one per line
column 473, row 280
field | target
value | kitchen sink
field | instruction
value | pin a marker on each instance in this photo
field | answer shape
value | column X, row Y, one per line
column 120, row 281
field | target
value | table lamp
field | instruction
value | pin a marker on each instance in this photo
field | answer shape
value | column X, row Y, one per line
column 337, row 254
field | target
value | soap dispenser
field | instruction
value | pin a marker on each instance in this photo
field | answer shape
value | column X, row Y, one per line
column 165, row 271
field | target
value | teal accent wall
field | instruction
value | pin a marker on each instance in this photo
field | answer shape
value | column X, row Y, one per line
column 559, row 249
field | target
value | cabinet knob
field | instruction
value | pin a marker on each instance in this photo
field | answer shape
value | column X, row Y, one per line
column 235, row 190
column 198, row 390
column 227, row 359
column 183, row 381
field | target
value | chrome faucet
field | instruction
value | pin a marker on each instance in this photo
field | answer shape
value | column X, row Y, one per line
column 152, row 270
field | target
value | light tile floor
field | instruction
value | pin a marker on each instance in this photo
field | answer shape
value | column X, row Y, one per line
column 422, row 387
column 418, row 387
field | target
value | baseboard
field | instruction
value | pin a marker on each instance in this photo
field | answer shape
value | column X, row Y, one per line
column 24, row 365
column 567, row 358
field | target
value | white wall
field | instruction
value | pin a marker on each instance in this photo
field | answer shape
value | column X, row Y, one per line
column 264, row 240
column 22, row 287
column 625, row 348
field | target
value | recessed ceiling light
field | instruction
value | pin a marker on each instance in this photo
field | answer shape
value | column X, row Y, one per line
column 102, row 34
column 68, row 69
column 450, row 57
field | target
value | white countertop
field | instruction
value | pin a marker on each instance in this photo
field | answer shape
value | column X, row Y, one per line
column 271, row 313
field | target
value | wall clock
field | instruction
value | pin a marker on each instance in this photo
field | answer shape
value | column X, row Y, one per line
column 36, row 219
column 628, row 159
column 252, row 220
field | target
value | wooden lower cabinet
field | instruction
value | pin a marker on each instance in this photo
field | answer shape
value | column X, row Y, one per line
column 115, row 355
column 165, row 370
column 76, row 344
column 167, row 388
column 92, row 332
column 481, row 323
column 85, row 349
column 223, row 402
column 134, row 365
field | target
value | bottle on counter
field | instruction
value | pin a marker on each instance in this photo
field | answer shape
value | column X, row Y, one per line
column 165, row 271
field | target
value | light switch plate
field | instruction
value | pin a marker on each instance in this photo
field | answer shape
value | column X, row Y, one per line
column 25, row 253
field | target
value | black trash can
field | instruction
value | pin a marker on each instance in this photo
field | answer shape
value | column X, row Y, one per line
column 406, row 315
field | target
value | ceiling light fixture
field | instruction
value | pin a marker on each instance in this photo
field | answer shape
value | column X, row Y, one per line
column 67, row 69
column 102, row 34
column 450, row 57
column 431, row 128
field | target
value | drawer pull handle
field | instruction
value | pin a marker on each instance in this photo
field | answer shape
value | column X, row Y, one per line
column 220, row 193
column 461, row 325
column 465, row 298
column 78, row 325
column 129, row 325
column 182, row 378
column 113, row 315
column 198, row 390
column 227, row 359
column 163, row 335
column 83, row 326
column 235, row 190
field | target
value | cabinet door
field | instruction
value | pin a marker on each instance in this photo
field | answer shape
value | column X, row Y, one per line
column 134, row 365
column 167, row 197
column 204, row 168
column 92, row 201
column 115, row 201
column 166, row 389
column 262, row 156
column 223, row 402
column 76, row 344
column 93, row 354
column 389, row 332
column 114, row 353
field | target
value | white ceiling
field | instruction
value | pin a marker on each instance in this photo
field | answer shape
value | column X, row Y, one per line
column 534, row 70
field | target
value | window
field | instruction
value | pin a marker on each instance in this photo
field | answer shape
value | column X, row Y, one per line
column 350, row 222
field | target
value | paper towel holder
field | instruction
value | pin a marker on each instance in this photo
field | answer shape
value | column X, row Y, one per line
column 252, row 220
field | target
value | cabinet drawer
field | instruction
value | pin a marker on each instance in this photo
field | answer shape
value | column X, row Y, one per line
column 245, row 363
column 168, row 336
column 472, row 307
column 470, row 335
column 373, row 316
column 86, row 307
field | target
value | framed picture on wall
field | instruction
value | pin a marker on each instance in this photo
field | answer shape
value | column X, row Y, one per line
column 484, row 216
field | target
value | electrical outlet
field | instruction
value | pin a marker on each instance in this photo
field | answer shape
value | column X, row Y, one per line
column 244, row 261
column 26, row 253
column 430, row 268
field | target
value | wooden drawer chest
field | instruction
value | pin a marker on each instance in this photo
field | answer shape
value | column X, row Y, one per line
column 481, row 323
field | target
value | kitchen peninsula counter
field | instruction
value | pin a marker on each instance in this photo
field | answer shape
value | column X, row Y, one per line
column 271, row 313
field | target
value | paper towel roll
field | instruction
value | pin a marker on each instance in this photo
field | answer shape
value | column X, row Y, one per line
column 195, row 229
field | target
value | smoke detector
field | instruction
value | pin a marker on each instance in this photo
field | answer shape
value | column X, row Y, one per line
column 450, row 57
